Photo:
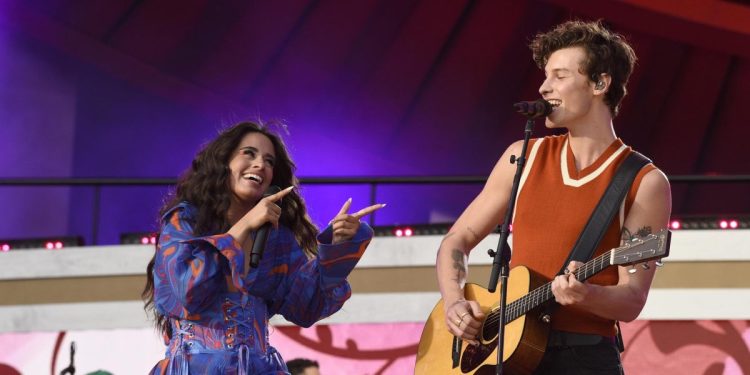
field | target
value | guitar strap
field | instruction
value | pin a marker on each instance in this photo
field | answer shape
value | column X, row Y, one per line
column 603, row 214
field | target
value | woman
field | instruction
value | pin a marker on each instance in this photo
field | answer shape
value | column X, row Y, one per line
column 211, row 305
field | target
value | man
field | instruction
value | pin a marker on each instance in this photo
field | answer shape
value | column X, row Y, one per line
column 586, row 68
column 302, row 366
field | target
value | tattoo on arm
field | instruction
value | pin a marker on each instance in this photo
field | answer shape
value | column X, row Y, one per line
column 643, row 232
column 640, row 233
column 626, row 235
column 458, row 265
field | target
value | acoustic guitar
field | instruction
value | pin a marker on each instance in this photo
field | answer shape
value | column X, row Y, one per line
column 526, row 331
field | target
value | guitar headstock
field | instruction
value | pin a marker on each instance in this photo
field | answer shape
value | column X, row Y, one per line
column 653, row 246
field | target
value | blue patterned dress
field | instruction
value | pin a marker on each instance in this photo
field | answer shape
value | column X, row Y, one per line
column 219, row 318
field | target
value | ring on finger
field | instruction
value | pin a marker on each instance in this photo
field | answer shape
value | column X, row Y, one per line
column 463, row 315
column 458, row 322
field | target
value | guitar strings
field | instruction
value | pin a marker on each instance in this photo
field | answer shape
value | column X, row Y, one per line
column 541, row 294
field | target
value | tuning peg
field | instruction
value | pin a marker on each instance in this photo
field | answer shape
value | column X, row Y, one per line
column 645, row 266
column 632, row 269
column 491, row 253
column 659, row 263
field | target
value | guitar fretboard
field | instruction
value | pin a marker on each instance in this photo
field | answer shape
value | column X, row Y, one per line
column 650, row 247
column 543, row 293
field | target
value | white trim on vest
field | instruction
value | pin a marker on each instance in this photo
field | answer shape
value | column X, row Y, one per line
column 568, row 181
column 526, row 170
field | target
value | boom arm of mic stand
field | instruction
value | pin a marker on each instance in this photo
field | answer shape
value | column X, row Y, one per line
column 501, row 262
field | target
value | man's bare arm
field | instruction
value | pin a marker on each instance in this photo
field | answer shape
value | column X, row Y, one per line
column 476, row 222
column 649, row 214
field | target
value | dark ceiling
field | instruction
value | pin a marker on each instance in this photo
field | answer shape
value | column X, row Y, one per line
column 427, row 61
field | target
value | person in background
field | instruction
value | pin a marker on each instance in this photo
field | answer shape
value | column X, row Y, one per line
column 303, row 366
column 211, row 305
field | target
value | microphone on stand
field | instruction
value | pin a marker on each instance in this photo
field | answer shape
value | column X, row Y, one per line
column 262, row 235
column 534, row 109
column 501, row 257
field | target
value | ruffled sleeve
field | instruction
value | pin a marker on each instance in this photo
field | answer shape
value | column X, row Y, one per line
column 316, row 288
column 190, row 270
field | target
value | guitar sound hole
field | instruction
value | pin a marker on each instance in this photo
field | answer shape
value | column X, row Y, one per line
column 490, row 327
column 474, row 356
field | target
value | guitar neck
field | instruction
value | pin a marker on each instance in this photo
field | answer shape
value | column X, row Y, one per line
column 543, row 293
column 653, row 246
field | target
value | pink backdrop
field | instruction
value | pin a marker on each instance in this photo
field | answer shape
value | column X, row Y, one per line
column 653, row 347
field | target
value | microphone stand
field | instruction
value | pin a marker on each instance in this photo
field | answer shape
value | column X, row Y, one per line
column 501, row 262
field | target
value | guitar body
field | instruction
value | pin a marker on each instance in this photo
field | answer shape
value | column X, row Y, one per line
column 525, row 333
column 525, row 337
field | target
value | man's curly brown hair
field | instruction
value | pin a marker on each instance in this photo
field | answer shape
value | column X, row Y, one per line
column 606, row 52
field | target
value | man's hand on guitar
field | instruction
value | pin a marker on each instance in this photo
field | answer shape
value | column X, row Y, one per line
column 567, row 289
column 464, row 319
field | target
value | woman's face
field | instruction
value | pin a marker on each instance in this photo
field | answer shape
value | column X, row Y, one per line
column 251, row 169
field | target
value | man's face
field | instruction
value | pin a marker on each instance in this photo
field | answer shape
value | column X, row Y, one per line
column 567, row 87
column 311, row 371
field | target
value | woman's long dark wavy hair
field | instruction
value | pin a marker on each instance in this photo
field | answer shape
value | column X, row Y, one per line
column 206, row 186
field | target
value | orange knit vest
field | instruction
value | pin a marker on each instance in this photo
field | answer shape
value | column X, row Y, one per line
column 554, row 203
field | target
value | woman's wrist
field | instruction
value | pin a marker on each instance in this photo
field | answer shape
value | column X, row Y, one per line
column 239, row 235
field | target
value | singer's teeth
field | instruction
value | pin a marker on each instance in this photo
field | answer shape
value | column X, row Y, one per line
column 555, row 102
column 253, row 177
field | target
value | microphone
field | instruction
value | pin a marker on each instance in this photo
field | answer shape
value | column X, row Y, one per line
column 262, row 235
column 537, row 108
